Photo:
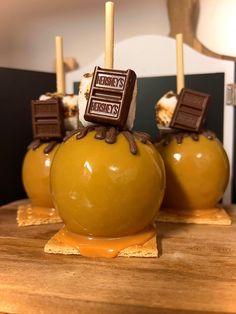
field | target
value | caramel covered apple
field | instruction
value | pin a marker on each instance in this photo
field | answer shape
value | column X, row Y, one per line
column 104, row 190
column 107, row 186
column 197, row 167
column 107, row 182
column 197, row 171
column 48, row 130
column 35, row 175
column 53, row 115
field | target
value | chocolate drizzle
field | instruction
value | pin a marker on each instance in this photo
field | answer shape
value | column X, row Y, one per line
column 37, row 143
column 34, row 145
column 49, row 147
column 109, row 134
column 70, row 134
column 143, row 137
column 101, row 133
column 83, row 131
column 179, row 137
column 209, row 134
column 131, row 140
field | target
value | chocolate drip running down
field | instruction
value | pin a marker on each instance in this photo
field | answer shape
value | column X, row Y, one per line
column 179, row 137
column 37, row 143
column 109, row 134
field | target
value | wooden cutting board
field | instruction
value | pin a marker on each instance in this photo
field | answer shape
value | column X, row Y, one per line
column 195, row 273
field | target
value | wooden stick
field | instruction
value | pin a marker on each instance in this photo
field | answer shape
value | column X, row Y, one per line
column 179, row 62
column 60, row 65
column 109, row 35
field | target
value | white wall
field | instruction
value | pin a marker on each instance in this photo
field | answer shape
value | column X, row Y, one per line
column 28, row 27
column 217, row 26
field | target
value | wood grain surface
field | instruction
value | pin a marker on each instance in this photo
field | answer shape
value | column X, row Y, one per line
column 195, row 273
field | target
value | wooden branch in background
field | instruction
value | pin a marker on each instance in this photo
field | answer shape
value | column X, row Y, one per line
column 183, row 18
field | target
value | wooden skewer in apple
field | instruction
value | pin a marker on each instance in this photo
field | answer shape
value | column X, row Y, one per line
column 69, row 101
column 109, row 74
column 165, row 106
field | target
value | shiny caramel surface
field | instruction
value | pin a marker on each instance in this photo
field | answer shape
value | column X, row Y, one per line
column 35, row 175
column 102, row 189
column 103, row 247
column 197, row 173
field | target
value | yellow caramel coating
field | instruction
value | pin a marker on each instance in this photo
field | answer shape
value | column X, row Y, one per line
column 103, row 190
column 35, row 175
column 197, row 173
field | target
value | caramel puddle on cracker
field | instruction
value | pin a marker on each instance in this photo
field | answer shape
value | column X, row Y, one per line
column 206, row 213
column 104, row 247
column 29, row 212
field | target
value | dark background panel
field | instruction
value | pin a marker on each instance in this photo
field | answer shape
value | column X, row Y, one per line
column 153, row 88
column 150, row 89
column 17, row 89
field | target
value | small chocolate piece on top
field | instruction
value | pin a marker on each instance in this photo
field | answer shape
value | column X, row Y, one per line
column 110, row 96
column 47, row 119
column 190, row 111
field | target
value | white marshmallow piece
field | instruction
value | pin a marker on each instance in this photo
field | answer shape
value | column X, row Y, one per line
column 164, row 109
column 132, row 109
column 84, row 88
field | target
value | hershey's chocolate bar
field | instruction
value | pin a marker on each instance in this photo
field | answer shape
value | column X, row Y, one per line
column 47, row 119
column 110, row 96
column 190, row 111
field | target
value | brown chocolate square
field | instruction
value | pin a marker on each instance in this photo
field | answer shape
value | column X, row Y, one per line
column 110, row 96
column 47, row 119
column 190, row 111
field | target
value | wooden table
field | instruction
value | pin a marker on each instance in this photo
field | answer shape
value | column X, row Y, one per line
column 196, row 273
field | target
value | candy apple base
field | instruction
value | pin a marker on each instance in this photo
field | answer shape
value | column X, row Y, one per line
column 28, row 215
column 143, row 244
column 212, row 216
column 103, row 190
column 35, row 175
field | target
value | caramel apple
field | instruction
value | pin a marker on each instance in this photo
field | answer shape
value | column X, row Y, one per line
column 197, row 170
column 107, row 182
column 105, row 190
column 48, row 131
column 35, row 175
